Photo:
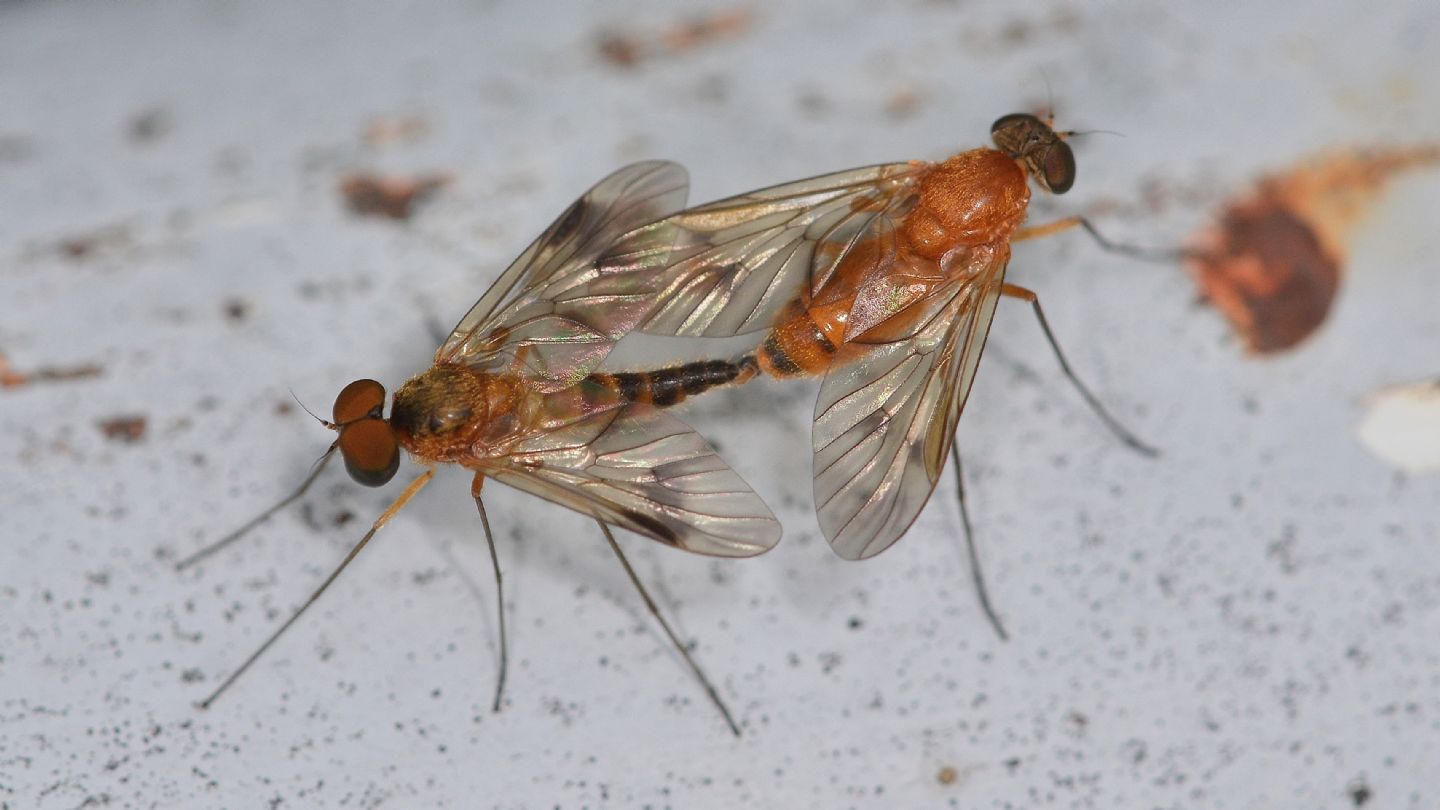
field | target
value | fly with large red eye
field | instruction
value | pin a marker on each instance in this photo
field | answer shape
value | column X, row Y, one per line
column 510, row 398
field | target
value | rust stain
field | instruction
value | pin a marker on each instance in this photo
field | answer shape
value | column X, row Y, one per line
column 631, row 47
column 1272, row 264
column 391, row 197
column 13, row 378
column 128, row 429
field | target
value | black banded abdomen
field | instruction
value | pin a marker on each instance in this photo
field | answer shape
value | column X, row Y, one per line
column 668, row 386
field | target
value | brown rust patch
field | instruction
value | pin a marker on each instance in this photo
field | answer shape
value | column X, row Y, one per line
column 391, row 197
column 13, row 378
column 1273, row 262
column 127, row 429
column 629, row 48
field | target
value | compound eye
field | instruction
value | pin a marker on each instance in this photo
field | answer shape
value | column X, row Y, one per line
column 359, row 400
column 1006, row 122
column 1057, row 167
column 371, row 453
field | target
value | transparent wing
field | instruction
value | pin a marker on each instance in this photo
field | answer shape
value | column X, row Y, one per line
column 638, row 467
column 559, row 308
column 736, row 263
column 887, row 411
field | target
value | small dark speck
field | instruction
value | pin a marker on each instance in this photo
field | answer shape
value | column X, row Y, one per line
column 855, row 623
column 236, row 310
column 1359, row 793
column 1012, row 764
column 192, row 675
column 284, row 408
column 149, row 126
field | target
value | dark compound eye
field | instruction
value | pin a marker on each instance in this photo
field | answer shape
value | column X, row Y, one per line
column 1014, row 121
column 1057, row 167
column 372, row 456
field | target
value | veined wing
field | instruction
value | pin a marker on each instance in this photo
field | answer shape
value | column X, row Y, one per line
column 638, row 467
column 736, row 263
column 887, row 412
column 577, row 289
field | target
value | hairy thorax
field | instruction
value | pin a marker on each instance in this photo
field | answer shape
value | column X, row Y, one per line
column 974, row 198
column 452, row 412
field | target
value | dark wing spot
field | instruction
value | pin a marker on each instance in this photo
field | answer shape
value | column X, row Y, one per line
column 569, row 223
column 653, row 527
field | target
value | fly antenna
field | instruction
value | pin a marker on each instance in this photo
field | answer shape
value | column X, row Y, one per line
column 296, row 397
column 1070, row 133
column 1049, row 97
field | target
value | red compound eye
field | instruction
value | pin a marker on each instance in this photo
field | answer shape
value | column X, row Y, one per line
column 370, row 451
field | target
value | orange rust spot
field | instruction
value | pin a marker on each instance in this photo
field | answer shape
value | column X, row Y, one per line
column 1272, row 264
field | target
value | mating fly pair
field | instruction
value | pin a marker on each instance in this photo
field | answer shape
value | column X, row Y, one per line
column 881, row 280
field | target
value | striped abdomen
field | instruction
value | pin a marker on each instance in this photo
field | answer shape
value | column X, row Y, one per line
column 667, row 386
column 804, row 340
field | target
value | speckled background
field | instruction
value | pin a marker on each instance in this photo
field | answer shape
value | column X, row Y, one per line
column 1253, row 620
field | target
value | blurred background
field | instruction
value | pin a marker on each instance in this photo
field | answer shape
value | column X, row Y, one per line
column 206, row 207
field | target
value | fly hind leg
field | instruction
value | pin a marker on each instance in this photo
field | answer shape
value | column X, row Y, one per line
column 1120, row 431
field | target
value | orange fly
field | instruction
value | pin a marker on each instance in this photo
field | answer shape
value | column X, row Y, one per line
column 883, row 281
column 511, row 396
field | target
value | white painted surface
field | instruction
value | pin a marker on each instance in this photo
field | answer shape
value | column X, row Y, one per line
column 1251, row 621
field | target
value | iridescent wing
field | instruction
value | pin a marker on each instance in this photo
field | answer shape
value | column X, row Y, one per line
column 736, row 263
column 638, row 467
column 887, row 411
column 557, row 310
